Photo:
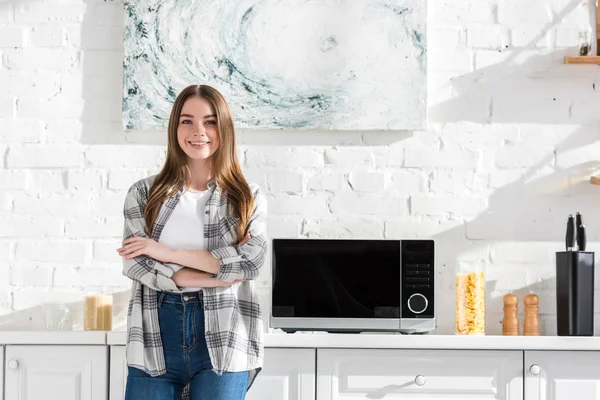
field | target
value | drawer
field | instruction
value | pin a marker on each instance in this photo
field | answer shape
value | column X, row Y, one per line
column 415, row 374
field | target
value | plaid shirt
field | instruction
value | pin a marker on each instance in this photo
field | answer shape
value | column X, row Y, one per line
column 233, row 326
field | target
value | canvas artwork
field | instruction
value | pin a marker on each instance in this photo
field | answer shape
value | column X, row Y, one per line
column 281, row 64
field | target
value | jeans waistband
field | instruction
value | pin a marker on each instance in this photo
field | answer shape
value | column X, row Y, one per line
column 180, row 298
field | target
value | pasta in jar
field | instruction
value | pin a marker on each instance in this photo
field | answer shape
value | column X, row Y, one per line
column 470, row 301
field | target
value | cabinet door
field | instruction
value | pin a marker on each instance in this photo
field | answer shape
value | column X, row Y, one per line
column 1, row 373
column 56, row 372
column 562, row 375
column 288, row 374
column 118, row 372
column 351, row 374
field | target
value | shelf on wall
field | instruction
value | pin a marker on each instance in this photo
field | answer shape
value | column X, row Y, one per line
column 595, row 180
column 582, row 60
column 589, row 59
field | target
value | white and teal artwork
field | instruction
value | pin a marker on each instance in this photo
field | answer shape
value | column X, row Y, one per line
column 281, row 64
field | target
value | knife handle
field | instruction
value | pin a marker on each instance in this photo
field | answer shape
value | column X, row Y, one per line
column 570, row 237
column 581, row 239
column 578, row 221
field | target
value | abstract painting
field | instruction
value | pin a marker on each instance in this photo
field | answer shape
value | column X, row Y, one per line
column 281, row 64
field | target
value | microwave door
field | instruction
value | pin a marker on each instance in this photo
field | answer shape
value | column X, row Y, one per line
column 336, row 284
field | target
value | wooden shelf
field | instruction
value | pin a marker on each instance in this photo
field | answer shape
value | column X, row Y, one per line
column 589, row 59
column 595, row 180
column 582, row 60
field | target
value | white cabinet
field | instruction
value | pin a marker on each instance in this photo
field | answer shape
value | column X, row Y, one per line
column 118, row 372
column 562, row 375
column 56, row 372
column 288, row 374
column 1, row 373
column 81, row 372
column 345, row 374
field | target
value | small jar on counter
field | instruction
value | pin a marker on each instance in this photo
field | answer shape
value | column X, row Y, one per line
column 98, row 312
column 470, row 299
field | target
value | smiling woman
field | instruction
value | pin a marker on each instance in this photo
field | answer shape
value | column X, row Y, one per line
column 198, row 132
column 194, row 239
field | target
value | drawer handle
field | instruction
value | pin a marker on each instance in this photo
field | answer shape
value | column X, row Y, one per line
column 13, row 364
column 535, row 369
column 420, row 380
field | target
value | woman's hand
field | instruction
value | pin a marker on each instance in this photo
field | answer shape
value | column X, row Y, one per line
column 136, row 246
column 245, row 239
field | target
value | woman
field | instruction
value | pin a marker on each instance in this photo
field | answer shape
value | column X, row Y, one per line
column 194, row 240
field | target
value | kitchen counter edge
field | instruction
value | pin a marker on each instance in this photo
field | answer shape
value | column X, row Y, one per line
column 333, row 340
column 53, row 337
column 430, row 341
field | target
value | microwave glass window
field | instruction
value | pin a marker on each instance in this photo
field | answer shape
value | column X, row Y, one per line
column 318, row 278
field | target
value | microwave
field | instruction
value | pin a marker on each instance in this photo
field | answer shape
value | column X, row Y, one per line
column 353, row 285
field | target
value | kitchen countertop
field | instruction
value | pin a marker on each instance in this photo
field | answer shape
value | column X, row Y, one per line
column 325, row 340
column 430, row 341
column 53, row 337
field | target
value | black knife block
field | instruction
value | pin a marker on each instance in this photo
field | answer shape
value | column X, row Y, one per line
column 575, row 293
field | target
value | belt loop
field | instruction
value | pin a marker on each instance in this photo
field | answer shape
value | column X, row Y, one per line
column 161, row 297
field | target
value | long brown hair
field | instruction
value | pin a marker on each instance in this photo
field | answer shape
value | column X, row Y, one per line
column 226, row 170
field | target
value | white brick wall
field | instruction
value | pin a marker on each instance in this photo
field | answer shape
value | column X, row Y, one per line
column 513, row 138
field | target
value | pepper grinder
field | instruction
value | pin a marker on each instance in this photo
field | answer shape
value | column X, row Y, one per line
column 531, row 324
column 510, row 324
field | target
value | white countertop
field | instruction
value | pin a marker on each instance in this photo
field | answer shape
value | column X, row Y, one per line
column 325, row 340
column 53, row 337
column 397, row 341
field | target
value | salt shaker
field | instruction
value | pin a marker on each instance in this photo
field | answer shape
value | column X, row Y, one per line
column 531, row 324
column 510, row 323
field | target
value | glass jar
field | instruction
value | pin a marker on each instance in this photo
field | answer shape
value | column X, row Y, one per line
column 55, row 315
column 585, row 43
column 470, row 299
column 97, row 315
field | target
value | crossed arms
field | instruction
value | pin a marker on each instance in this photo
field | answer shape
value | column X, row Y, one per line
column 164, row 269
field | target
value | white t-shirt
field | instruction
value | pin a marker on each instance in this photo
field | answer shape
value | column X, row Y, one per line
column 185, row 227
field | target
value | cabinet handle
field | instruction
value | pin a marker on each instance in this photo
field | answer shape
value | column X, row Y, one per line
column 535, row 369
column 13, row 364
column 420, row 380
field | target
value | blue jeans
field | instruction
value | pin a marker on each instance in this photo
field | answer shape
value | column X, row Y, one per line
column 181, row 319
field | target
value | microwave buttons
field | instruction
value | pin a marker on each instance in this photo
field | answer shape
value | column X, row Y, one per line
column 417, row 279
